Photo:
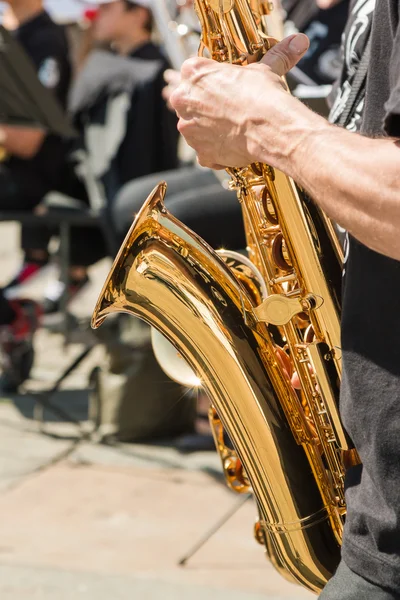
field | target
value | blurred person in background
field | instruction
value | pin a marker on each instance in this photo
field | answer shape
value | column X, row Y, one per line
column 33, row 160
column 195, row 195
column 117, row 104
column 19, row 320
column 147, row 142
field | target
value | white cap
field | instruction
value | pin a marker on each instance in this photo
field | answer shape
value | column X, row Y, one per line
column 145, row 3
column 66, row 11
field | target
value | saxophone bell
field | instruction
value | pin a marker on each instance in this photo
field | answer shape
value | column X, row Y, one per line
column 166, row 275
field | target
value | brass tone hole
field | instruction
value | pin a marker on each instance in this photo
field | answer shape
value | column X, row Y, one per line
column 269, row 208
column 280, row 253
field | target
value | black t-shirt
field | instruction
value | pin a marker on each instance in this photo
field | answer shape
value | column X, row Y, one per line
column 356, row 34
column 370, row 395
column 46, row 45
column 151, row 122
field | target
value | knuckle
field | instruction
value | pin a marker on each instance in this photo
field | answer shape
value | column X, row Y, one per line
column 189, row 67
column 203, row 162
column 176, row 98
column 182, row 126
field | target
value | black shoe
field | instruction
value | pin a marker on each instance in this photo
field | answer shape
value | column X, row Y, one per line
column 54, row 292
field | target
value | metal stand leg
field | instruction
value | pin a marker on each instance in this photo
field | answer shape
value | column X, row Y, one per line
column 65, row 244
column 43, row 399
column 216, row 527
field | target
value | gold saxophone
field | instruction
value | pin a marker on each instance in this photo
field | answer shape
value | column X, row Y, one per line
column 245, row 325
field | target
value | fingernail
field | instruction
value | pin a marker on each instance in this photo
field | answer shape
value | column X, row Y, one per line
column 299, row 43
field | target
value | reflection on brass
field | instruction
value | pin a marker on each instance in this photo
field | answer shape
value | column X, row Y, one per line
column 226, row 5
column 261, row 337
column 235, row 476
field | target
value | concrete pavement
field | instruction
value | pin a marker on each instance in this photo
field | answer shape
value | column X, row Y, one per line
column 82, row 519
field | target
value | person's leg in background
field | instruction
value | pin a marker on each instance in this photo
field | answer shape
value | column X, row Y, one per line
column 34, row 243
column 132, row 196
column 7, row 312
column 19, row 319
column 347, row 585
column 14, row 198
column 87, row 247
column 213, row 212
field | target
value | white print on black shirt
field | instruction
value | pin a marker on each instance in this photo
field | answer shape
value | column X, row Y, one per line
column 49, row 73
column 354, row 41
column 353, row 44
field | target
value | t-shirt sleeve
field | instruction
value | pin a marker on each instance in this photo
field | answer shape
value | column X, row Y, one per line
column 392, row 106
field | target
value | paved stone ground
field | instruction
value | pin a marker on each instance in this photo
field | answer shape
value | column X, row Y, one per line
column 82, row 520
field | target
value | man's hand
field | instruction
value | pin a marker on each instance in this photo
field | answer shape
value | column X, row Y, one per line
column 223, row 107
column 24, row 142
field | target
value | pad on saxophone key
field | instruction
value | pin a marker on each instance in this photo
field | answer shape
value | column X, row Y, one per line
column 279, row 310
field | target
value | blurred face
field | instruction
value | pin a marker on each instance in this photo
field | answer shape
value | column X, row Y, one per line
column 114, row 21
column 18, row 11
column 109, row 22
column 21, row 4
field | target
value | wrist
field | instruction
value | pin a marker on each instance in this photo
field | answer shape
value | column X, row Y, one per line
column 313, row 143
column 296, row 128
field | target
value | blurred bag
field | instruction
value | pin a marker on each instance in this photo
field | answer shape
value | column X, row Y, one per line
column 132, row 399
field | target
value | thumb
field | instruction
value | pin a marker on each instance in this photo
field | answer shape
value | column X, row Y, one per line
column 286, row 54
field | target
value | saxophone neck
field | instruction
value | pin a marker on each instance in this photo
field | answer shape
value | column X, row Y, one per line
column 224, row 38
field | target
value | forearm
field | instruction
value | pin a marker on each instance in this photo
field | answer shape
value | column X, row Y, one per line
column 355, row 179
column 23, row 142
